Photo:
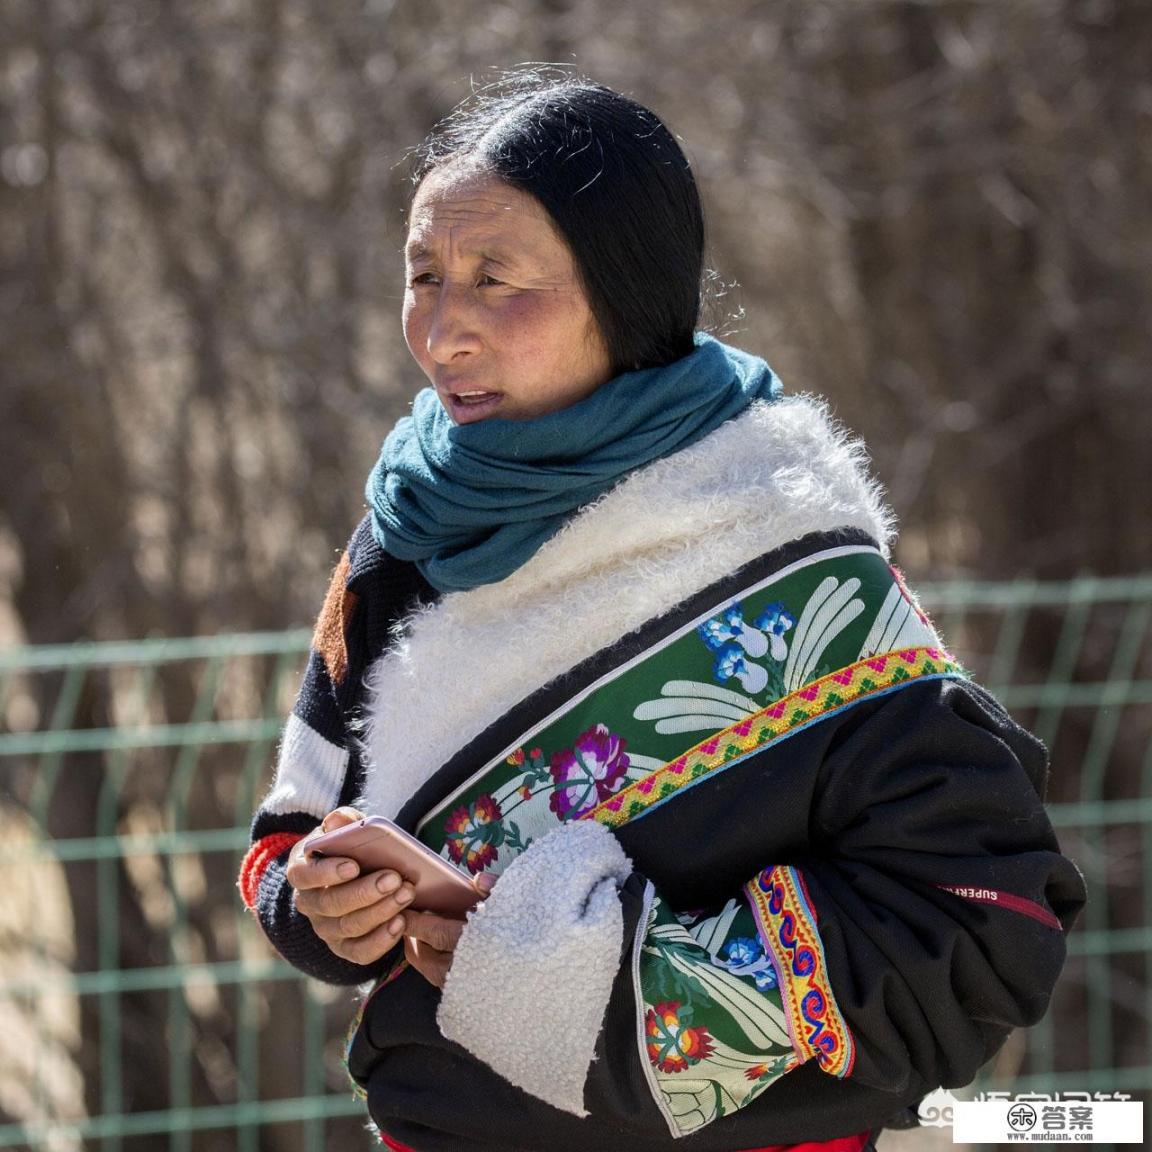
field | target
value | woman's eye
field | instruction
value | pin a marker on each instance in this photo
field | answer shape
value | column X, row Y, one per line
column 486, row 280
column 422, row 278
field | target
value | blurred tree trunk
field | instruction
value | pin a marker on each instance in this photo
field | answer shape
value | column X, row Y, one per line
column 65, row 502
column 999, row 157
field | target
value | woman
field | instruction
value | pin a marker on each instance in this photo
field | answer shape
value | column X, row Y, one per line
column 620, row 630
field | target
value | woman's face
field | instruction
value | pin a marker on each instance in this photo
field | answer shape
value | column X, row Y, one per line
column 494, row 312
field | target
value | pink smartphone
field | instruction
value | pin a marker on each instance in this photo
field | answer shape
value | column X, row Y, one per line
column 376, row 843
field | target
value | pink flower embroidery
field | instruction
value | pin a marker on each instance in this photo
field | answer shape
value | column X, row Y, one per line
column 589, row 773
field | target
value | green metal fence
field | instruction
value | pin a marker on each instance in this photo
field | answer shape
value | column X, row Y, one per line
column 140, row 1007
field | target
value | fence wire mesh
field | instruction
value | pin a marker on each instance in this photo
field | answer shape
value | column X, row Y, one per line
column 141, row 1008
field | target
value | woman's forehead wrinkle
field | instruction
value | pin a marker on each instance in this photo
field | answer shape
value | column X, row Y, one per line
column 452, row 239
column 473, row 227
column 436, row 215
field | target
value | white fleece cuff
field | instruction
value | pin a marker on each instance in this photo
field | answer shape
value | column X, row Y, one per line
column 534, row 968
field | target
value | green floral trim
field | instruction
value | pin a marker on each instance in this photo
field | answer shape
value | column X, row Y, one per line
column 613, row 750
column 715, row 1034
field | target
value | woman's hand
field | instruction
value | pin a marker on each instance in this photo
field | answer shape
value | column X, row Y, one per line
column 358, row 917
column 429, row 944
column 430, row 940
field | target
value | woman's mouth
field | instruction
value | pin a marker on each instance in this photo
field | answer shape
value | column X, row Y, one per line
column 472, row 404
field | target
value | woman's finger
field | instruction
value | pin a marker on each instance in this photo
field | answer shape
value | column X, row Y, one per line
column 365, row 949
column 338, row 817
column 430, row 963
column 384, row 917
column 437, row 932
column 364, row 920
column 306, row 871
column 342, row 898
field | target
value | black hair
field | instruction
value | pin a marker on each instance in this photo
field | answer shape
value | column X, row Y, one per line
column 617, row 187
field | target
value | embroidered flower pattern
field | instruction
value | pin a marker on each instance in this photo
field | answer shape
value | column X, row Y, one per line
column 745, row 956
column 587, row 774
column 767, row 1071
column 731, row 664
column 673, row 1044
column 775, row 620
column 729, row 628
column 739, row 645
column 730, row 1038
column 474, row 834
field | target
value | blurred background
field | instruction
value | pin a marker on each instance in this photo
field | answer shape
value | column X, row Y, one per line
column 936, row 213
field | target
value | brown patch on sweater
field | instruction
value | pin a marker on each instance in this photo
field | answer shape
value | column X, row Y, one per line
column 329, row 637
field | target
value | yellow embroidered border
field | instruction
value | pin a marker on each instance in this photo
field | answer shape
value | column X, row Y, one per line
column 790, row 713
column 787, row 926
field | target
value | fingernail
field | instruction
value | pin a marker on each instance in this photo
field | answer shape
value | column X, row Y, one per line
column 404, row 895
column 485, row 882
column 347, row 870
column 389, row 882
column 396, row 926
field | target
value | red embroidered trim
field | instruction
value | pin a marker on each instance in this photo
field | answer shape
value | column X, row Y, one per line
column 256, row 862
column 1005, row 900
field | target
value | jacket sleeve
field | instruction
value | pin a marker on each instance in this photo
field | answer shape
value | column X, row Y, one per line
column 935, row 884
column 316, row 771
column 922, row 920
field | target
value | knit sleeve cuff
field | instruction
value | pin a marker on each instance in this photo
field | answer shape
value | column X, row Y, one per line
column 257, row 860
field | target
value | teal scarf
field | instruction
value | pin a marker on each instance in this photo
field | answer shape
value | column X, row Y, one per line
column 471, row 503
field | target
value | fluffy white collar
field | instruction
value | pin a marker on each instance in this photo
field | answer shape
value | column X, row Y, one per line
column 670, row 529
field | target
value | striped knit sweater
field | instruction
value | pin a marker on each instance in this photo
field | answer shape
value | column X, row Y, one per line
column 319, row 766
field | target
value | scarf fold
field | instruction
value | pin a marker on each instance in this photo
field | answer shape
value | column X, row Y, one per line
column 469, row 504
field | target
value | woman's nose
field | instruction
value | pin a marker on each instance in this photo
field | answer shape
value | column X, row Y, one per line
column 453, row 329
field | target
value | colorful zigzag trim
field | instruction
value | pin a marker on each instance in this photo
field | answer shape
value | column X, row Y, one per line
column 840, row 689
